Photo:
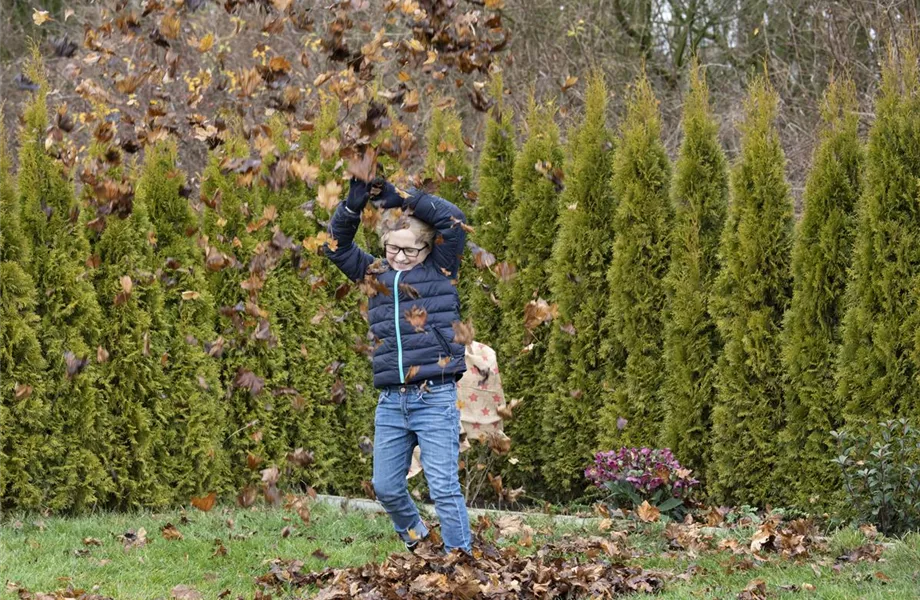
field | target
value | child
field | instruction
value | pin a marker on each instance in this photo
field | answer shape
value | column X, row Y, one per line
column 417, row 364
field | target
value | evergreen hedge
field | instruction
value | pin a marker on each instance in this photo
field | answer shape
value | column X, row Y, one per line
column 581, row 257
column 691, row 342
column 639, row 262
column 811, row 338
column 530, row 240
column 750, row 296
column 879, row 370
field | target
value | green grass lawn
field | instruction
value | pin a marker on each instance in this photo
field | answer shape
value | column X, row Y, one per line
column 46, row 554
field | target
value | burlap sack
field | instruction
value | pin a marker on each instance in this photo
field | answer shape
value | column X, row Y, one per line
column 479, row 396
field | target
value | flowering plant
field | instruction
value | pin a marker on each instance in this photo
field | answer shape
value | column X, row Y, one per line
column 636, row 475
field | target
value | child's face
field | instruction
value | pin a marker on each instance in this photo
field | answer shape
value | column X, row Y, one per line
column 404, row 250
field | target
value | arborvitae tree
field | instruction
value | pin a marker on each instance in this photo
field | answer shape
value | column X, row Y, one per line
column 750, row 296
column 317, row 330
column 811, row 334
column 24, row 410
column 879, row 364
column 691, row 341
column 493, row 214
column 131, row 380
column 530, row 242
column 198, row 462
column 640, row 183
column 70, row 319
column 446, row 162
column 252, row 360
column 578, row 283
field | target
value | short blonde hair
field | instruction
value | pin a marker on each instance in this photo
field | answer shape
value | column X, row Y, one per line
column 394, row 219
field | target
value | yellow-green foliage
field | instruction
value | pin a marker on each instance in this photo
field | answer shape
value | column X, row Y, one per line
column 640, row 183
column 194, row 436
column 751, row 294
column 493, row 214
column 820, row 259
column 132, row 384
column 578, row 282
column 24, row 410
column 70, row 318
column 691, row 342
column 250, row 367
column 530, row 240
column 879, row 366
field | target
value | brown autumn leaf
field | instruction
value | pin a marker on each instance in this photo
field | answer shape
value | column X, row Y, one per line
column 537, row 312
column 171, row 533
column 22, row 391
column 412, row 372
column 327, row 196
column 247, row 496
column 338, row 395
column 417, row 317
column 365, row 166
column 102, row 355
column 505, row 271
column 569, row 82
column 648, row 513
column 463, row 332
column 190, row 295
column 204, row 503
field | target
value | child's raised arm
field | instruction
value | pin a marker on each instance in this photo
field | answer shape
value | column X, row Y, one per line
column 447, row 219
column 347, row 256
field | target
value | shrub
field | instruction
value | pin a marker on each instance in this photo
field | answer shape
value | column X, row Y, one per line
column 750, row 295
column 578, row 284
column 880, row 466
column 637, row 475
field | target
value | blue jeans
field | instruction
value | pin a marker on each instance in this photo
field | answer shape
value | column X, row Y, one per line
column 407, row 416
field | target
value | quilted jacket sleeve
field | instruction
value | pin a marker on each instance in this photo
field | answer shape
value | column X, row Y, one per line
column 347, row 256
column 448, row 221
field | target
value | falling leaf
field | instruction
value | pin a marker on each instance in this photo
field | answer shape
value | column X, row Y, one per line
column 190, row 295
column 204, row 503
column 328, row 195
column 22, row 391
column 74, row 364
column 40, row 17
column 463, row 332
column 412, row 372
column 102, row 355
column 417, row 317
column 364, row 167
column 569, row 82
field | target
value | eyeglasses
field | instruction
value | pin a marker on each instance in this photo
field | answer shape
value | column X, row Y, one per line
column 409, row 252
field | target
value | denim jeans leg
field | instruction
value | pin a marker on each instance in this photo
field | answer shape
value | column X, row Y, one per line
column 436, row 422
column 393, row 444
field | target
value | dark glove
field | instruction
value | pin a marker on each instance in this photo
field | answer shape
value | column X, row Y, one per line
column 358, row 194
column 389, row 197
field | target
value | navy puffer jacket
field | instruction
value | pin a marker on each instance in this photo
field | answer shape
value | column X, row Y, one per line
column 404, row 354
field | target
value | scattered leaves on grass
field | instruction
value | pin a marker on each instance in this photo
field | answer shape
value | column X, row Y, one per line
column 490, row 572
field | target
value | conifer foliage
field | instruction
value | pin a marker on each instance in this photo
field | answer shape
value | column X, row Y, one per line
column 194, row 437
column 751, row 294
column 70, row 318
column 24, row 411
column 691, row 343
column 820, row 259
column 641, row 182
column 133, row 386
column 581, row 257
column 492, row 215
column 879, row 366
column 530, row 240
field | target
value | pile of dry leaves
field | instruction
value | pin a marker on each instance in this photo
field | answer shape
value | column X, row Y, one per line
column 582, row 567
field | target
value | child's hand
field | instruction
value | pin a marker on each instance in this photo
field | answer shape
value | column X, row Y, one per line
column 388, row 197
column 358, row 194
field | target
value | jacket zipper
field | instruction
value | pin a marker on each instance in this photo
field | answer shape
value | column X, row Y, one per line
column 402, row 377
column 442, row 340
